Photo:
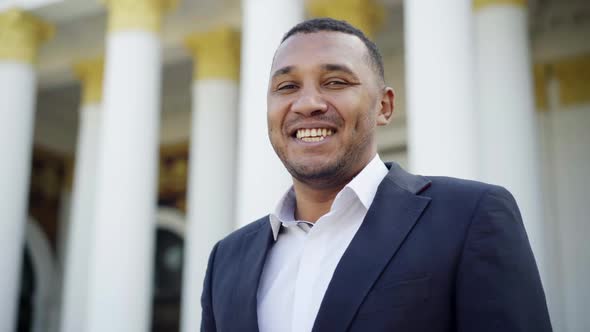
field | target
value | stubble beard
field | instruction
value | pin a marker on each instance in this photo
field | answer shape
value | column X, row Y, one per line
column 334, row 174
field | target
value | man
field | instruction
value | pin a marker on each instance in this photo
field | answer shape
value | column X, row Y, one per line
column 355, row 244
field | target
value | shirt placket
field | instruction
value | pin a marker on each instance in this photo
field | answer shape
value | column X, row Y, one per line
column 309, row 268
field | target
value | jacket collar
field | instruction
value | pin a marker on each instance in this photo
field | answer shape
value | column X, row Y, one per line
column 394, row 212
column 254, row 249
column 363, row 186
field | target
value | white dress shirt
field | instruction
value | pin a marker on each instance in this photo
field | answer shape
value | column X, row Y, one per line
column 300, row 265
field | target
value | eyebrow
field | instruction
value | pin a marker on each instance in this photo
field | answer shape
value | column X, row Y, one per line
column 282, row 71
column 329, row 67
column 337, row 67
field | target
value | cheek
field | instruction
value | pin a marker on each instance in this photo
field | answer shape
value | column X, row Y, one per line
column 367, row 116
column 274, row 126
column 275, row 114
column 353, row 103
column 273, row 119
column 357, row 116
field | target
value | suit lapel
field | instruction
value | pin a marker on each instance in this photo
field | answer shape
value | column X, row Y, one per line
column 393, row 213
column 254, row 250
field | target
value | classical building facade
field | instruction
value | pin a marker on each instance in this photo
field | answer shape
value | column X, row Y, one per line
column 133, row 137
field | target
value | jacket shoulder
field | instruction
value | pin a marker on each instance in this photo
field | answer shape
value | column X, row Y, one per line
column 466, row 199
column 455, row 186
column 239, row 233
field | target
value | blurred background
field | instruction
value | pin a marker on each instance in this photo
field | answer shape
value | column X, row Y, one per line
column 133, row 137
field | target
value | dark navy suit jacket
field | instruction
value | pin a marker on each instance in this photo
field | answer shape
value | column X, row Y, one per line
column 432, row 254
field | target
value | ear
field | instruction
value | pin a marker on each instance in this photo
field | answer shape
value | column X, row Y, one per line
column 387, row 106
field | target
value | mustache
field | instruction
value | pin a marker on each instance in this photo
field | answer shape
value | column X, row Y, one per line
column 330, row 118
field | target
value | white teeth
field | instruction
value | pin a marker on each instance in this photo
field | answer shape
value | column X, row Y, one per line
column 313, row 135
column 313, row 139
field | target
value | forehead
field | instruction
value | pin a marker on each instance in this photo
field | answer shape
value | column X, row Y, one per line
column 309, row 49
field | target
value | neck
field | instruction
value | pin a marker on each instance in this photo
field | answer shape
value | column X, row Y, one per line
column 315, row 199
column 313, row 203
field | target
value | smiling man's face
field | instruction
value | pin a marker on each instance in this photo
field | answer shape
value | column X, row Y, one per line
column 324, row 102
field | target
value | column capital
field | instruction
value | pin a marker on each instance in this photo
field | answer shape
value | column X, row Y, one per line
column 90, row 73
column 366, row 15
column 137, row 14
column 480, row 4
column 216, row 54
column 21, row 34
column 573, row 75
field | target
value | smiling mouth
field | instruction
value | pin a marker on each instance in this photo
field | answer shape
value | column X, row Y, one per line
column 313, row 134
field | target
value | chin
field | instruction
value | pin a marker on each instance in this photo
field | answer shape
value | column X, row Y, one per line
column 312, row 172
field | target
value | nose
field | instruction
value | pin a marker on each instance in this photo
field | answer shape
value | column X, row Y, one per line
column 309, row 102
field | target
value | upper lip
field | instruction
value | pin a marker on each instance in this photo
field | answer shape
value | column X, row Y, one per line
column 310, row 125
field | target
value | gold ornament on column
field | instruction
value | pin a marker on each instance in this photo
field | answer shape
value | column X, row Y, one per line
column 90, row 73
column 216, row 54
column 479, row 4
column 21, row 34
column 573, row 75
column 366, row 15
column 137, row 14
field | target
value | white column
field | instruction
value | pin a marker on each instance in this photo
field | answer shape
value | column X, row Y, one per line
column 20, row 36
column 547, row 99
column 508, row 149
column 439, row 78
column 80, row 230
column 121, row 257
column 212, row 160
column 261, row 178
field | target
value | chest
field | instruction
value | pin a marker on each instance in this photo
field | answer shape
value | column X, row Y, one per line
column 298, row 270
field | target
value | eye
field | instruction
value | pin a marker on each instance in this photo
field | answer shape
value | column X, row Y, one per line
column 336, row 83
column 287, row 86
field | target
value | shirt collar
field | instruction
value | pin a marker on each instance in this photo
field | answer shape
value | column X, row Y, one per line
column 364, row 185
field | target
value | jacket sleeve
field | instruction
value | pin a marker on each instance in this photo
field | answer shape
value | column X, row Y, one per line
column 207, row 317
column 498, row 287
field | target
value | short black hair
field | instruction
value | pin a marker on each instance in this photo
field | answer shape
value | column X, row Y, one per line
column 330, row 24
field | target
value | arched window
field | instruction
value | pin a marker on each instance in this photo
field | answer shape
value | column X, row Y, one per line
column 168, row 266
column 38, row 288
